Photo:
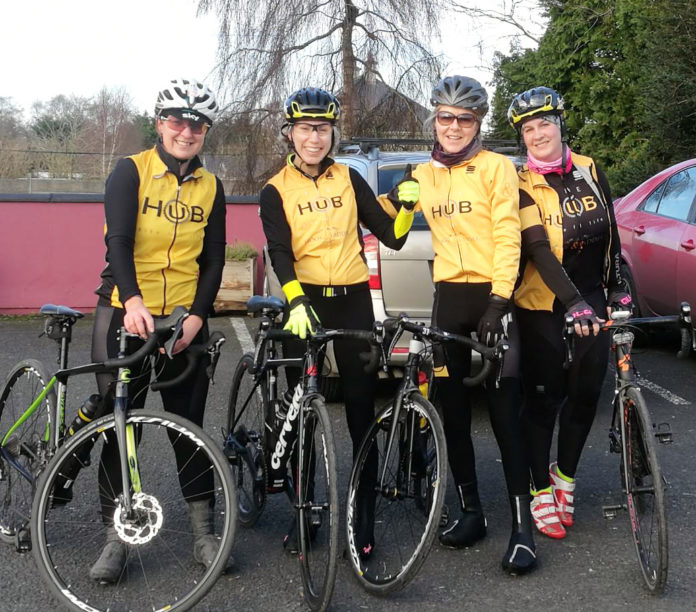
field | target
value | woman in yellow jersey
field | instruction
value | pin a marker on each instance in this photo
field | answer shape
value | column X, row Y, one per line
column 165, row 244
column 311, row 212
column 572, row 257
column 469, row 199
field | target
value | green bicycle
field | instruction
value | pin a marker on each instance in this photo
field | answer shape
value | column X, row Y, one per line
column 50, row 479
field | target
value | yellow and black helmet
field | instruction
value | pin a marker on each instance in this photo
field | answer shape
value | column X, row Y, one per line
column 534, row 103
column 311, row 103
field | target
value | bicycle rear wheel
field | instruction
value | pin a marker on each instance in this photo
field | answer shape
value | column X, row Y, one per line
column 245, row 442
column 24, row 450
column 160, row 571
column 407, row 503
column 644, row 491
column 317, row 505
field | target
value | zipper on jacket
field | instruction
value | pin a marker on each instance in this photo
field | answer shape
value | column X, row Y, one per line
column 169, row 250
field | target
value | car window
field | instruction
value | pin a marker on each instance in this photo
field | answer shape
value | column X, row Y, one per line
column 678, row 195
column 650, row 203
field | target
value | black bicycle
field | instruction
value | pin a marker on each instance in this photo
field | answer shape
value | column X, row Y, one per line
column 401, row 467
column 288, row 447
column 632, row 434
column 49, row 479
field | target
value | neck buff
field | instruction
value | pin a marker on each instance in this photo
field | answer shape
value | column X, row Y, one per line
column 562, row 165
column 452, row 159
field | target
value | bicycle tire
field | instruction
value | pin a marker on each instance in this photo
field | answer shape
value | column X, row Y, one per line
column 317, row 505
column 408, row 505
column 160, row 572
column 644, row 491
column 27, row 444
column 246, row 451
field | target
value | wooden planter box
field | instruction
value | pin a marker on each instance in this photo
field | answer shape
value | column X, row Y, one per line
column 237, row 285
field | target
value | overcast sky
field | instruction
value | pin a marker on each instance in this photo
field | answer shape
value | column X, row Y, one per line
column 52, row 47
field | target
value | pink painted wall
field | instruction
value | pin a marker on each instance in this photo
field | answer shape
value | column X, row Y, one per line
column 53, row 251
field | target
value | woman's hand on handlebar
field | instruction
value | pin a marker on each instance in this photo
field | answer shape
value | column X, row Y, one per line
column 138, row 319
column 190, row 327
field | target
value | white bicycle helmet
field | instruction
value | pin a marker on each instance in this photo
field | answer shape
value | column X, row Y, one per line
column 187, row 94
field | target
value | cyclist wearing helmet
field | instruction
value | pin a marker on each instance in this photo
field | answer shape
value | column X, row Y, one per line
column 165, row 244
column 311, row 212
column 469, row 198
column 571, row 257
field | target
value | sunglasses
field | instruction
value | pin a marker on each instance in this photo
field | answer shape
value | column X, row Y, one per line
column 179, row 125
column 463, row 120
column 306, row 129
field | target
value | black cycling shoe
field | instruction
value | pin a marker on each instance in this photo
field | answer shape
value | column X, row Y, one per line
column 291, row 540
column 520, row 556
column 468, row 529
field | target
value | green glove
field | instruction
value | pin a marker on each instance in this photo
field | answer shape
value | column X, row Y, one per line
column 408, row 190
column 302, row 317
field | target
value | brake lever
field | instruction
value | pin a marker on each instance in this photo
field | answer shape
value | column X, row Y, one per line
column 177, row 331
column 569, row 337
column 214, row 353
column 378, row 331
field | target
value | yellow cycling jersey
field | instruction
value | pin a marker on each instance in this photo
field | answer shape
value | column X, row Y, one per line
column 472, row 210
column 169, row 231
column 533, row 293
column 322, row 215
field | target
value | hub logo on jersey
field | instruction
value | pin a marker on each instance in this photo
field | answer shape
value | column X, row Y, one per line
column 574, row 207
column 173, row 211
column 451, row 208
column 321, row 205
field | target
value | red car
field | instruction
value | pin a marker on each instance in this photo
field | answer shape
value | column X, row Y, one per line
column 657, row 225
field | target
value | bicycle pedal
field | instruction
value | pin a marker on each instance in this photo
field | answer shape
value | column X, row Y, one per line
column 611, row 512
column 664, row 433
column 23, row 540
column 444, row 516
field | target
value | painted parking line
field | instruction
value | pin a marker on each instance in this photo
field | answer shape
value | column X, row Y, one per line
column 243, row 335
column 662, row 392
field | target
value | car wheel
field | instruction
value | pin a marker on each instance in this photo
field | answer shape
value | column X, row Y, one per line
column 630, row 288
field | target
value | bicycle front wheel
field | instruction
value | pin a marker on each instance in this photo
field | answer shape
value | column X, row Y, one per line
column 245, row 443
column 317, row 505
column 644, row 490
column 395, row 495
column 24, row 450
column 159, row 571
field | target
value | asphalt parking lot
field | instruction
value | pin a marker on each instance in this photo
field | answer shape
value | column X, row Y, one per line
column 593, row 568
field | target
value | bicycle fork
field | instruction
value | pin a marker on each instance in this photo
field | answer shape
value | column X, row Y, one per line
column 125, row 437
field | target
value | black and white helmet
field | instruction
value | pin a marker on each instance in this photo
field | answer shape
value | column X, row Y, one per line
column 187, row 94
column 461, row 91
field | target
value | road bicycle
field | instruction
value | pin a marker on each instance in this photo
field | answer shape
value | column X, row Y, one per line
column 401, row 467
column 293, row 452
column 632, row 434
column 50, row 497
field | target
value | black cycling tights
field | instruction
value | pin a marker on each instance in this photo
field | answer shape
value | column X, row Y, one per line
column 186, row 399
column 457, row 309
column 352, row 311
column 549, row 388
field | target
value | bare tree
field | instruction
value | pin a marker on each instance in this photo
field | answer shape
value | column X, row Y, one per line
column 267, row 49
column 112, row 125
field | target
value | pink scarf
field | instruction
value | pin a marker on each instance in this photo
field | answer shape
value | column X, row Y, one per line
column 557, row 165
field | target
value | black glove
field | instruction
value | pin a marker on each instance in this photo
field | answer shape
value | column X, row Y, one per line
column 583, row 314
column 490, row 327
column 619, row 300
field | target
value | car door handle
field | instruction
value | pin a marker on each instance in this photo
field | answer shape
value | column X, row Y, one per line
column 688, row 244
column 640, row 230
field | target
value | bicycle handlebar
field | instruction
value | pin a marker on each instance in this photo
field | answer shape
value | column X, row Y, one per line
column 490, row 354
column 622, row 319
column 321, row 336
column 193, row 353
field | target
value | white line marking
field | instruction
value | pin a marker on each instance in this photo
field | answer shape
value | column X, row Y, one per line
column 662, row 392
column 243, row 335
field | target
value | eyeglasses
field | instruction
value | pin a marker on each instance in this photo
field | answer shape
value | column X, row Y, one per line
column 179, row 125
column 305, row 129
column 463, row 120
